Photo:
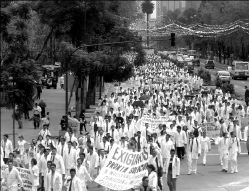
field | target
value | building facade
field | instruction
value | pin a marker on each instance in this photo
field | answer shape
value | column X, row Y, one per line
column 164, row 6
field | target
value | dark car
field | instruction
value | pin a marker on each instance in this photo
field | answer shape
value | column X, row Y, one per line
column 210, row 64
column 196, row 62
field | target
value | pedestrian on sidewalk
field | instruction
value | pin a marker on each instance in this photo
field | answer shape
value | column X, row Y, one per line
column 39, row 91
column 247, row 96
column 36, row 115
column 43, row 106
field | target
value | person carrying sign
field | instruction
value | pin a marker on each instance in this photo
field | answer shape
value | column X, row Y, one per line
column 12, row 178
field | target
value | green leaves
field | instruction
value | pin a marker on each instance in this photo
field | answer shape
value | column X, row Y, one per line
column 147, row 7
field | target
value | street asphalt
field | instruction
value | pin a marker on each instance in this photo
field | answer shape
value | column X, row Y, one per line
column 208, row 178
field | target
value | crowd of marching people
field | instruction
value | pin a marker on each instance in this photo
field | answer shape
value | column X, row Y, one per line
column 161, row 90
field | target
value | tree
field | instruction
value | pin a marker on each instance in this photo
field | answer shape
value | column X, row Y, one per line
column 147, row 8
column 19, row 71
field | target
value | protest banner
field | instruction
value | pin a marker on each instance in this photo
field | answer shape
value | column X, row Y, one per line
column 211, row 130
column 123, row 169
column 153, row 122
column 25, row 176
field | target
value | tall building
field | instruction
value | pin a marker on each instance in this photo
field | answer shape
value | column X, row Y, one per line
column 192, row 4
column 164, row 6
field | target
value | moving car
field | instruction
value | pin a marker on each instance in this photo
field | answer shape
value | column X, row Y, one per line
column 223, row 76
column 210, row 64
column 240, row 69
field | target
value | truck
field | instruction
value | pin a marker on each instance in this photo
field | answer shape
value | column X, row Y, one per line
column 239, row 69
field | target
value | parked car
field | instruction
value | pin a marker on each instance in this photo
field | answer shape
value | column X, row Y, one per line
column 210, row 64
column 223, row 76
column 196, row 62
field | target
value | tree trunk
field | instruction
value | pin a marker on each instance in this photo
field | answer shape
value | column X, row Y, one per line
column 45, row 43
column 147, row 30
column 91, row 91
column 77, row 101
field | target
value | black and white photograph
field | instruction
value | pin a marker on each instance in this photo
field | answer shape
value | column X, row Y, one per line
column 124, row 95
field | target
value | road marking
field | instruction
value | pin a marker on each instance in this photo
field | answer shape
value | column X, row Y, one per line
column 245, row 189
column 219, row 154
column 236, row 183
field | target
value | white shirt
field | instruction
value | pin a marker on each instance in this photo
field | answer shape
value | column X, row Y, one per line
column 12, row 178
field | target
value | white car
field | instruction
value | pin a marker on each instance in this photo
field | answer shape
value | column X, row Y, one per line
column 224, row 76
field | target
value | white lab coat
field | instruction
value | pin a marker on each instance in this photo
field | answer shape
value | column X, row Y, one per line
column 76, row 184
column 196, row 148
column 34, row 177
column 60, row 166
column 153, row 182
column 83, row 175
column 205, row 143
column 8, row 148
column 234, row 148
column 175, row 166
column 180, row 138
column 57, row 181
column 12, row 179
column 70, row 159
column 166, row 146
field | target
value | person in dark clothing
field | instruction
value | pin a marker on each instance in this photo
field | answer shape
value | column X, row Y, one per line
column 43, row 106
column 39, row 91
column 63, row 123
column 247, row 96
column 145, row 184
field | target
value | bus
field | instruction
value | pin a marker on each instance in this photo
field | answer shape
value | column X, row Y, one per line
column 240, row 69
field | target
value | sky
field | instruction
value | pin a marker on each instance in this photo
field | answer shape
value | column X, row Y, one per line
column 153, row 15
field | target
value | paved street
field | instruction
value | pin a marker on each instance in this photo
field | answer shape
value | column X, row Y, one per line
column 239, row 85
column 217, row 181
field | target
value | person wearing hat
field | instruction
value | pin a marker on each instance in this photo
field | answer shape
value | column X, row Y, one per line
column 7, row 147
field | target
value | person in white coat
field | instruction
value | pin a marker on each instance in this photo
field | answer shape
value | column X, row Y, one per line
column 152, row 176
column 73, row 183
column 224, row 145
column 166, row 146
column 34, row 171
column 172, row 169
column 54, row 179
column 11, row 178
column 92, row 161
column 193, row 152
column 7, row 148
column 234, row 150
column 218, row 143
column 205, row 146
column 181, row 142
column 58, row 161
column 82, row 174
column 70, row 158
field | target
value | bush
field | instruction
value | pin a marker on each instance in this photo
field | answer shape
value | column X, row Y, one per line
column 225, row 86
column 205, row 75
